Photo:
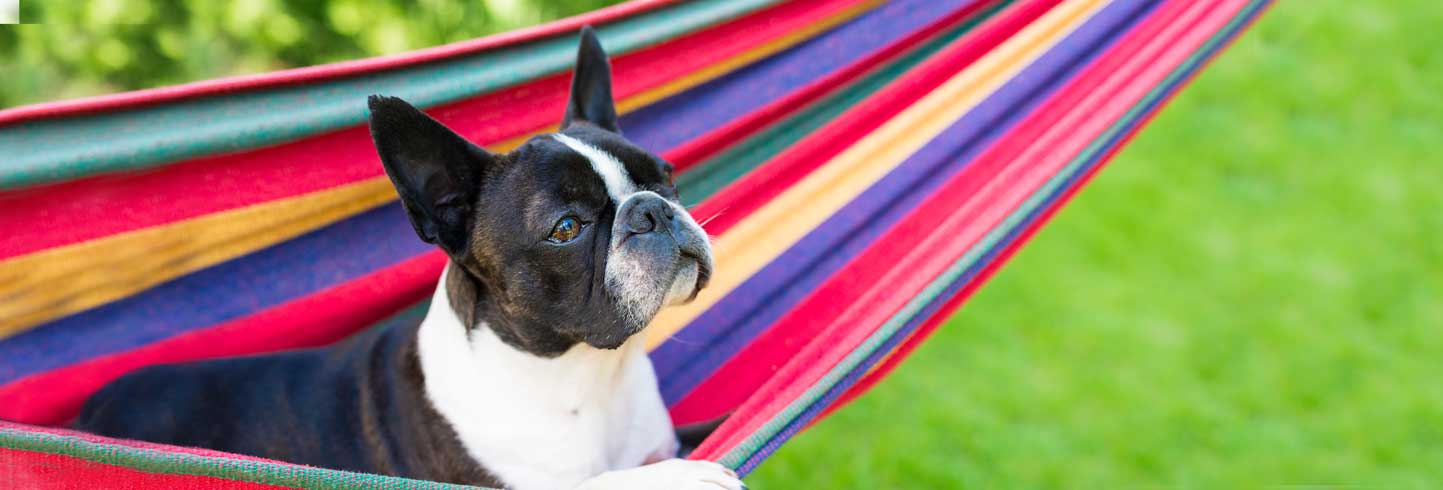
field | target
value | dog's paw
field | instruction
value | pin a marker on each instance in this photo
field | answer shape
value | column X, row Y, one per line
column 690, row 474
column 679, row 474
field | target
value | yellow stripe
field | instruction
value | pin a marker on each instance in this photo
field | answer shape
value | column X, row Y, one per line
column 759, row 238
column 52, row 283
column 706, row 74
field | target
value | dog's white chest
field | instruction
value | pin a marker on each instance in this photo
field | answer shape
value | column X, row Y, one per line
column 543, row 423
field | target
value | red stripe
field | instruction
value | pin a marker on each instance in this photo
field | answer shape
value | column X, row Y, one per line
column 43, row 471
column 140, row 98
column 703, row 146
column 739, row 199
column 831, row 323
column 94, row 207
column 945, row 312
column 55, row 396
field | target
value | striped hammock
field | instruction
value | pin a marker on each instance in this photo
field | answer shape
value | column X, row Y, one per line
column 863, row 165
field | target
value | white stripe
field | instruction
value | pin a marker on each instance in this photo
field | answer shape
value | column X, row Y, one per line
column 618, row 182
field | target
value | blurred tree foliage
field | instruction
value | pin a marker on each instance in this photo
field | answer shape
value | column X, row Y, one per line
column 78, row 48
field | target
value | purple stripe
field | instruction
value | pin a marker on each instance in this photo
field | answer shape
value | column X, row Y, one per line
column 727, row 327
column 323, row 258
column 679, row 118
column 967, row 277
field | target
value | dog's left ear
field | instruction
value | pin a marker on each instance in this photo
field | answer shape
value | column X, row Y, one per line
column 591, row 86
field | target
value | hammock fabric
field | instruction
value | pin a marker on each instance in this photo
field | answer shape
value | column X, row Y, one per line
column 863, row 165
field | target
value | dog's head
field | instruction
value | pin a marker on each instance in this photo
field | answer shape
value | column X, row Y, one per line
column 575, row 236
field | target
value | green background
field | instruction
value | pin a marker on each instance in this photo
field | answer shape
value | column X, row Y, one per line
column 1251, row 295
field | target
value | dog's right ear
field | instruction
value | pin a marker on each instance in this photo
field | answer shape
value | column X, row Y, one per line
column 436, row 171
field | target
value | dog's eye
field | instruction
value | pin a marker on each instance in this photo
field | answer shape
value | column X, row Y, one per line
column 565, row 230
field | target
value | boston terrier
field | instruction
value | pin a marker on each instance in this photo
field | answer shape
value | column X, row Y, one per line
column 528, row 371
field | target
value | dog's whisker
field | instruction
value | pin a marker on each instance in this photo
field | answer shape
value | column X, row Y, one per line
column 709, row 219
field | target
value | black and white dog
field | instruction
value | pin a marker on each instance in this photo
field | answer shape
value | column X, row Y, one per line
column 527, row 372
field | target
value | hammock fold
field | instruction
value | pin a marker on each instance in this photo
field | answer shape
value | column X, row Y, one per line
column 863, row 165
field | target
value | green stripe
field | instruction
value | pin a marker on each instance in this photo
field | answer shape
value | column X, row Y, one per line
column 153, row 461
column 59, row 149
column 712, row 174
column 754, row 442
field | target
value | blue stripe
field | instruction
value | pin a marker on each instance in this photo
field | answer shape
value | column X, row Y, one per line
column 323, row 258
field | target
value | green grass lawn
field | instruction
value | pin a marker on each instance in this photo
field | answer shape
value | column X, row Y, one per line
column 1251, row 295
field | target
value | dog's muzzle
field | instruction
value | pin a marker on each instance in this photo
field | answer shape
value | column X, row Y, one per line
column 668, row 232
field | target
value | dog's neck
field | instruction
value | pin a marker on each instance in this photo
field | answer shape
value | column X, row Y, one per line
column 475, row 354
column 512, row 409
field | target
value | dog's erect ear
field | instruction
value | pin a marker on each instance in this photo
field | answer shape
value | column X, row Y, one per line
column 591, row 86
column 436, row 171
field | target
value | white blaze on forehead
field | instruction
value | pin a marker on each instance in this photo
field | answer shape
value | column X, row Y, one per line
column 618, row 182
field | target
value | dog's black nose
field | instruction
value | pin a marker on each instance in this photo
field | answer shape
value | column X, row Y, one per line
column 647, row 214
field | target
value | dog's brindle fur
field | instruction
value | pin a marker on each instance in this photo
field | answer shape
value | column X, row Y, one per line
column 364, row 404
